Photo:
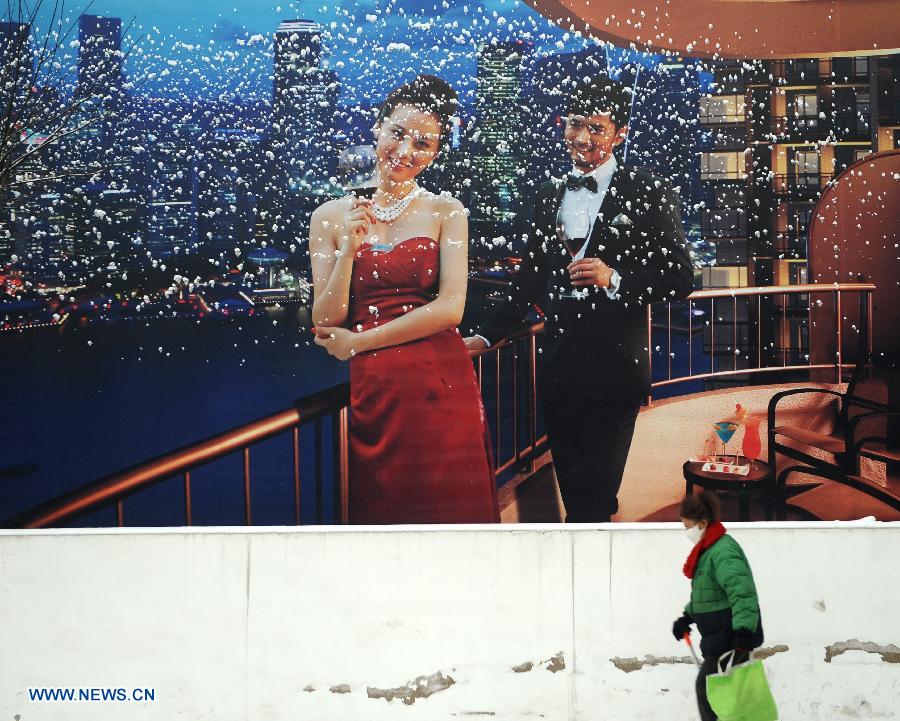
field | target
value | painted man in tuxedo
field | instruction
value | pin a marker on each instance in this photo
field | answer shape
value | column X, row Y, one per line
column 626, row 249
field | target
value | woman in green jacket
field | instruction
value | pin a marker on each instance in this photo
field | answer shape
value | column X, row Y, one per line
column 723, row 601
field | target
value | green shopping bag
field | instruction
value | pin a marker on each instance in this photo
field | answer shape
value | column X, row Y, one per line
column 740, row 693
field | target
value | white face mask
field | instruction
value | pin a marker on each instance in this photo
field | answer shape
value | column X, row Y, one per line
column 694, row 534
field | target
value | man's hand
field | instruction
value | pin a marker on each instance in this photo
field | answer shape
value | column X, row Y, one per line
column 589, row 271
column 474, row 343
column 339, row 342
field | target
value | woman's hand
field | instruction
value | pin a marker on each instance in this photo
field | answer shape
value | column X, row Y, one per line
column 343, row 344
column 744, row 642
column 682, row 626
column 357, row 222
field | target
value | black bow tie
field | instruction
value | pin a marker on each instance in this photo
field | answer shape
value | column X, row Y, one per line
column 574, row 182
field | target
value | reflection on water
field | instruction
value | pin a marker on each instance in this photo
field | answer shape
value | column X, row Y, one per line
column 92, row 400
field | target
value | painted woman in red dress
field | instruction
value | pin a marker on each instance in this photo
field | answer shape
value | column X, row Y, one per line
column 389, row 279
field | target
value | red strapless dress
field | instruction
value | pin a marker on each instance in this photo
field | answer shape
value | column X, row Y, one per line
column 419, row 448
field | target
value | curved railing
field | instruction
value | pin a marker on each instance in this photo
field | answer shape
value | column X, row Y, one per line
column 112, row 490
column 508, row 381
column 780, row 324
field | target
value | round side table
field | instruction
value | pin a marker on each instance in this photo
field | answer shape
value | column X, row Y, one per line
column 757, row 482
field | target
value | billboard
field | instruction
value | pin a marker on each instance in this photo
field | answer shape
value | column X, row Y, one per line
column 166, row 325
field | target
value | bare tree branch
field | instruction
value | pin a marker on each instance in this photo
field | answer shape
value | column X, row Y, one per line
column 37, row 94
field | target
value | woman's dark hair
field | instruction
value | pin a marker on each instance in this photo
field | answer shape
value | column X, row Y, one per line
column 705, row 507
column 601, row 94
column 427, row 93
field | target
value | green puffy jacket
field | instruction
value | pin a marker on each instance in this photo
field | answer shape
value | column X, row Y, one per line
column 723, row 580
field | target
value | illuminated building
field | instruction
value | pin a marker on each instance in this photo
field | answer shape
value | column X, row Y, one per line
column 170, row 178
column 497, row 143
column 226, row 205
column 779, row 131
column 304, row 98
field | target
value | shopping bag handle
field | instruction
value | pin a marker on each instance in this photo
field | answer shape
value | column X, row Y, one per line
column 727, row 669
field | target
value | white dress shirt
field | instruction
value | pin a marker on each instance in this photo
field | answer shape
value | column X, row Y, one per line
column 579, row 209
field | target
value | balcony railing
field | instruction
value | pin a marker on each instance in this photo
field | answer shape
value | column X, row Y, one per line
column 795, row 72
column 734, row 322
column 791, row 243
column 799, row 186
column 508, row 379
column 726, row 222
column 729, row 136
column 850, row 126
column 737, row 119
column 723, row 175
column 889, row 110
column 796, row 127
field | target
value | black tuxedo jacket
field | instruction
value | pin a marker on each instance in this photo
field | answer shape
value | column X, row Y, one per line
column 603, row 341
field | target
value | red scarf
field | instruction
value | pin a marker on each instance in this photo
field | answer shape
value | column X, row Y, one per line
column 713, row 533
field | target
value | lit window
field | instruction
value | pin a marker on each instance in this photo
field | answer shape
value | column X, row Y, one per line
column 722, row 166
column 722, row 109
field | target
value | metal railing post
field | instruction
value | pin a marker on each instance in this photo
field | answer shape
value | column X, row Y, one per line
column 295, row 438
column 497, row 416
column 248, row 515
column 532, row 400
column 869, row 327
column 650, row 352
column 690, row 338
column 343, row 444
column 515, row 403
column 734, row 349
column 839, row 335
column 188, row 513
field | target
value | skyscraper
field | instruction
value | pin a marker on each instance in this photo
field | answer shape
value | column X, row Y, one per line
column 99, row 58
column 779, row 131
column 99, row 88
column 498, row 156
column 227, row 205
column 304, row 98
column 305, row 94
column 16, row 61
column 170, row 183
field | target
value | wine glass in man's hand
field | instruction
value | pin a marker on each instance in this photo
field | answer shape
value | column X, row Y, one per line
column 573, row 243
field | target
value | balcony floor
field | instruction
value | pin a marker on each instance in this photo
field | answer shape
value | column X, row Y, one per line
column 666, row 434
column 536, row 499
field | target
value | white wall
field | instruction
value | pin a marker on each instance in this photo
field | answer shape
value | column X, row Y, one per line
column 232, row 624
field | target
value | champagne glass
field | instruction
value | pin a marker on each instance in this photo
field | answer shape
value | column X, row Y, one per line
column 725, row 430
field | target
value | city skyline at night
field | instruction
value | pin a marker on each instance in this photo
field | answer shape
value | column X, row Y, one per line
column 171, row 180
column 165, row 190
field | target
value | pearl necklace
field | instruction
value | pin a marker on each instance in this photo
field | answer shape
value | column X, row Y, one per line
column 389, row 213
